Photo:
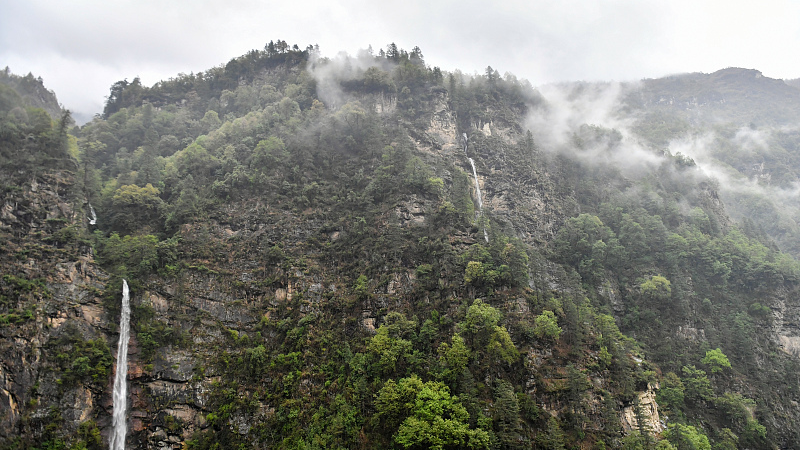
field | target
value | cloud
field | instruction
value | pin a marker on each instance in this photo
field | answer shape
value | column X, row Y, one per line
column 330, row 73
column 542, row 41
column 584, row 120
column 733, row 183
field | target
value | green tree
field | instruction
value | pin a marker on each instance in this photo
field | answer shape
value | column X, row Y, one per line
column 656, row 289
column 671, row 394
column 553, row 438
column 686, row 437
column 716, row 360
column 545, row 325
column 269, row 154
column 485, row 335
column 456, row 357
column 506, row 415
column 696, row 383
column 586, row 244
column 425, row 415
column 136, row 208
column 392, row 345
column 475, row 273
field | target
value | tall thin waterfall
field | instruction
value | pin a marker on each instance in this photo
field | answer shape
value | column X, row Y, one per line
column 93, row 220
column 120, row 379
column 477, row 186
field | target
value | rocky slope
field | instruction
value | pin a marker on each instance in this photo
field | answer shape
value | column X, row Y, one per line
column 311, row 275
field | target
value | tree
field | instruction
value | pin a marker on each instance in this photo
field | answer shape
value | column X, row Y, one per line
column 686, row 437
column 392, row 52
column 475, row 273
column 553, row 438
column 696, row 383
column 392, row 344
column 716, row 360
column 361, row 287
column 671, row 394
column 456, row 356
column 485, row 335
column 656, row 289
column 425, row 415
column 586, row 244
column 506, row 415
column 545, row 325
column 195, row 160
column 480, row 323
column 135, row 207
column 268, row 154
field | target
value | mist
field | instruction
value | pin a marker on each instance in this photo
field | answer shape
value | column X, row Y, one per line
column 587, row 121
column 331, row 73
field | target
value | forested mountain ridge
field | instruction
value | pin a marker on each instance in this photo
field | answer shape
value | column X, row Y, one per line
column 29, row 92
column 304, row 239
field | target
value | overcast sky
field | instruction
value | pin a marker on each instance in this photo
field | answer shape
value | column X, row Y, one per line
column 81, row 47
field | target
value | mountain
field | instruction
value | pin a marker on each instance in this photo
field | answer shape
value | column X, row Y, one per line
column 27, row 92
column 727, row 95
column 370, row 252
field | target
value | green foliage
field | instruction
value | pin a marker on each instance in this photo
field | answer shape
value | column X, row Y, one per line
column 506, row 415
column 273, row 180
column 586, row 244
column 152, row 333
column 480, row 322
column 131, row 256
column 546, row 326
column 656, row 288
column 391, row 346
column 79, row 360
column 14, row 286
column 269, row 154
column 672, row 392
column 89, row 437
column 475, row 273
column 503, row 262
column 716, row 360
column 426, row 415
column 456, row 356
column 686, row 437
column 696, row 384
column 361, row 287
column 134, row 208
column 484, row 334
column 553, row 437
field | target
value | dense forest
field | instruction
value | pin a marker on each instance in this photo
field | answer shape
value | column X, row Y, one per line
column 370, row 252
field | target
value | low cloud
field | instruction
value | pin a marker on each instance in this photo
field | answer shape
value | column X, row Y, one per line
column 585, row 120
column 330, row 73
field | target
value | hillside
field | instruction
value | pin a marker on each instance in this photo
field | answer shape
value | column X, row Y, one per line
column 371, row 252
column 27, row 92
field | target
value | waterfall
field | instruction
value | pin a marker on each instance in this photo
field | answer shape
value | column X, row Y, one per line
column 120, row 379
column 93, row 220
column 477, row 186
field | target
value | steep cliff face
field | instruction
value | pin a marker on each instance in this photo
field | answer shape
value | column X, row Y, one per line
column 56, row 330
column 316, row 275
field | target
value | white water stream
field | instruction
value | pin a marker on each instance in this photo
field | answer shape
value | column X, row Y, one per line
column 93, row 220
column 477, row 185
column 121, row 377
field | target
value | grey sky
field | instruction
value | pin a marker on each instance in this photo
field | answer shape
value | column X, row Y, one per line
column 81, row 47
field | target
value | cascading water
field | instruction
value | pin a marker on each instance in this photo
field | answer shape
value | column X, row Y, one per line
column 93, row 220
column 120, row 379
column 477, row 186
